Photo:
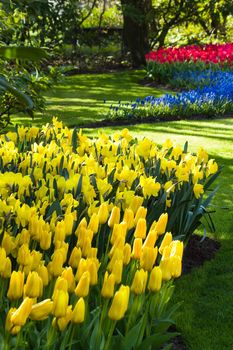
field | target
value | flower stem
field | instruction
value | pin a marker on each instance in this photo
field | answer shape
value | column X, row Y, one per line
column 110, row 333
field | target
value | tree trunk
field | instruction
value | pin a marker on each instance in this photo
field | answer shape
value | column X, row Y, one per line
column 136, row 14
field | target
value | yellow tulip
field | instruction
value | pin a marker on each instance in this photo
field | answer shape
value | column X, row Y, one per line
column 60, row 284
column 82, row 289
column 136, row 203
column 94, row 223
column 55, row 266
column 19, row 316
column 62, row 322
column 155, row 280
column 15, row 290
column 148, row 258
column 92, row 268
column 34, row 285
column 167, row 239
column 137, row 248
column 150, row 239
column 126, row 254
column 140, row 231
column 9, row 326
column 117, row 270
column 177, row 248
column 7, row 269
column 24, row 256
column 44, row 274
column 139, row 282
column 60, row 303
column 114, row 217
column 75, row 257
column 165, row 266
column 103, row 213
column 42, row 310
column 129, row 218
column 176, row 266
column 68, row 275
column 161, row 225
column 141, row 214
column 119, row 304
column 78, row 314
column 45, row 240
column 107, row 290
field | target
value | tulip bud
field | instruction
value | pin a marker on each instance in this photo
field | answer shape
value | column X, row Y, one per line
column 24, row 257
column 15, row 290
column 2, row 259
column 94, row 223
column 140, row 231
column 126, row 254
column 42, row 310
column 114, row 217
column 34, row 285
column 165, row 267
column 7, row 270
column 176, row 266
column 160, row 226
column 177, row 248
column 137, row 248
column 150, row 239
column 7, row 243
column 78, row 314
column 55, row 266
column 103, row 213
column 167, row 239
column 136, row 203
column 60, row 284
column 148, row 258
column 45, row 240
column 155, row 280
column 119, row 304
column 36, row 259
column 60, row 232
column 139, row 282
column 60, row 303
column 69, row 223
column 141, row 214
column 68, row 275
column 62, row 322
column 92, row 268
column 19, row 317
column 75, row 257
column 117, row 270
column 82, row 289
column 107, row 290
column 44, row 275
column 82, row 224
column 8, row 324
column 129, row 218
column 82, row 267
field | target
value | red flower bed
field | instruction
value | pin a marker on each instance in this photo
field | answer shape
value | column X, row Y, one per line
column 212, row 53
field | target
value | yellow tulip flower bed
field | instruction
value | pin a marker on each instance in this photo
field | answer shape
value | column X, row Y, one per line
column 91, row 236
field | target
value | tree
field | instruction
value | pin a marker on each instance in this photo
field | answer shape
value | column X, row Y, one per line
column 136, row 14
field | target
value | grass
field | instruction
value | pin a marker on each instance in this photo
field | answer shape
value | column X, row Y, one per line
column 206, row 315
column 80, row 99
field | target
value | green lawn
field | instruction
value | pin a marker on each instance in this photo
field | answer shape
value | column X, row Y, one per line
column 80, row 99
column 206, row 315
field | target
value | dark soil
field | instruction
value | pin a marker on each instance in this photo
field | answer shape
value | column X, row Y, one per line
column 178, row 343
column 197, row 252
